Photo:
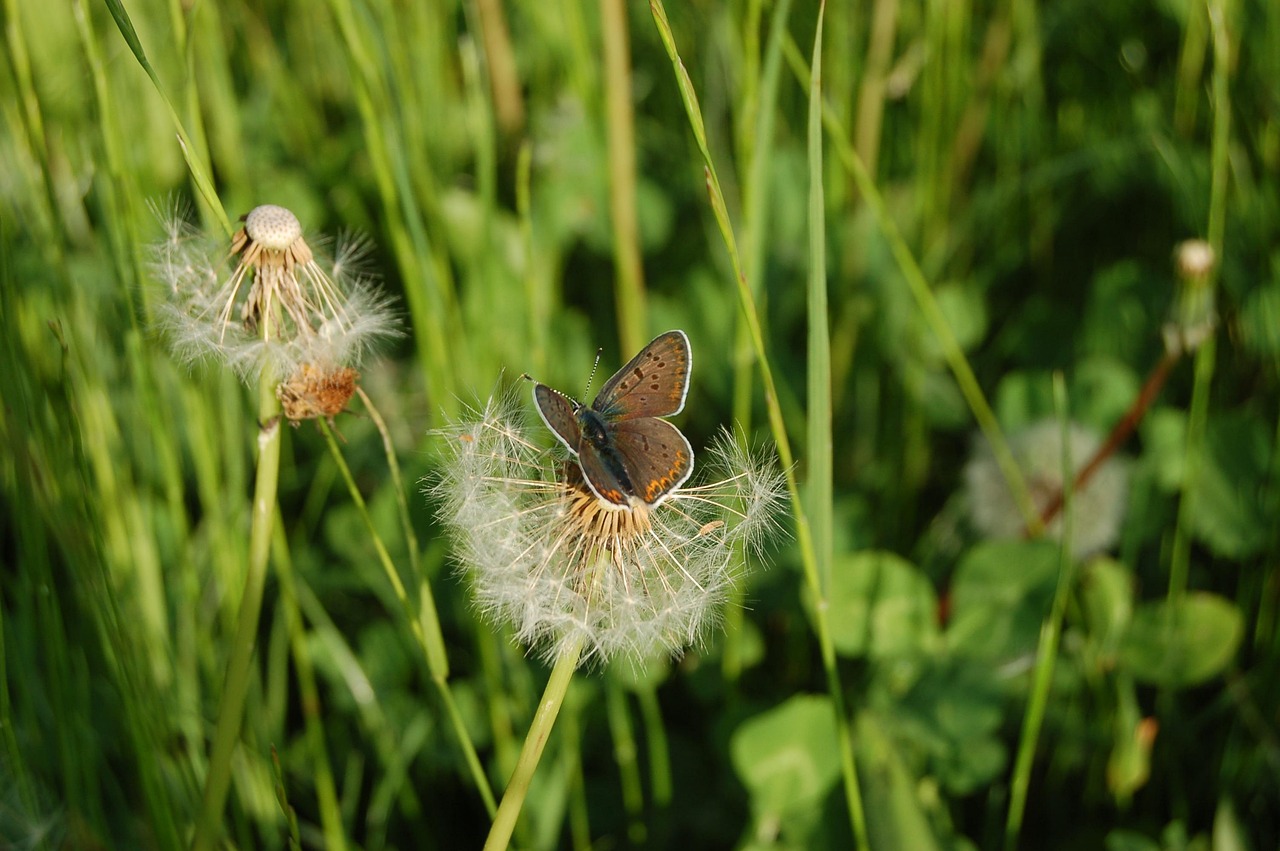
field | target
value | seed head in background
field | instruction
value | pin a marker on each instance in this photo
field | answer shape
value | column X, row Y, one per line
column 561, row 565
column 1099, row 506
column 268, row 307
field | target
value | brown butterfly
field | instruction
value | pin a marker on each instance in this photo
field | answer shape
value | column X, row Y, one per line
column 624, row 450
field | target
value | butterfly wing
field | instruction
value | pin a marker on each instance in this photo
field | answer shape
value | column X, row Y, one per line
column 557, row 412
column 654, row 383
column 602, row 476
column 657, row 456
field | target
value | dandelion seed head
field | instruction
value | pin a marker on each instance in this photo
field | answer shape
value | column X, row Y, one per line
column 546, row 555
column 1098, row 508
column 269, row 305
column 1194, row 259
column 1194, row 316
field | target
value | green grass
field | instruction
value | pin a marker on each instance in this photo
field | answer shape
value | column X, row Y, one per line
column 1001, row 193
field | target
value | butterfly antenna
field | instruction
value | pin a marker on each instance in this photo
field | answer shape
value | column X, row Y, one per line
column 592, row 376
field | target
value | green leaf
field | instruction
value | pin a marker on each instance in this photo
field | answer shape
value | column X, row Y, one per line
column 1000, row 596
column 1229, row 516
column 880, row 605
column 896, row 814
column 786, row 757
column 1106, row 603
column 1182, row 643
column 1259, row 320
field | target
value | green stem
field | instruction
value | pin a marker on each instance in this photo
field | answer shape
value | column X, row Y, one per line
column 621, row 133
column 655, row 733
column 1197, row 418
column 535, row 742
column 309, row 698
column 236, row 686
column 965, row 379
column 1050, row 637
column 624, row 756
column 777, row 427
column 425, row 626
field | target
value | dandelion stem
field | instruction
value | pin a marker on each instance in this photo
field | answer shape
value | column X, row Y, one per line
column 539, row 731
column 425, row 629
column 236, row 686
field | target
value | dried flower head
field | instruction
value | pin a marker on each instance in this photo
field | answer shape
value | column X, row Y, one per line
column 278, row 309
column 548, row 556
column 1194, row 315
column 313, row 391
column 1098, row 507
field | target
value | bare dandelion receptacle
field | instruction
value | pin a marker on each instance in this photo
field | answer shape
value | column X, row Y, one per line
column 269, row 305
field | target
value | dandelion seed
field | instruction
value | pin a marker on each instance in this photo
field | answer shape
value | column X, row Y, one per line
column 1099, row 506
column 277, row 310
column 549, row 557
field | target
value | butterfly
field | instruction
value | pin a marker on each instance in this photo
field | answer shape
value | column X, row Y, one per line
column 624, row 450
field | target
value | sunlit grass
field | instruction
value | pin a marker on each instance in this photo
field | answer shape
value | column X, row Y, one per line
column 964, row 223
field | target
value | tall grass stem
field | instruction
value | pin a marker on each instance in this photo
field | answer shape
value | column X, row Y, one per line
column 236, row 686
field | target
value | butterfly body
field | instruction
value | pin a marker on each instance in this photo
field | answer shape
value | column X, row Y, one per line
column 626, row 452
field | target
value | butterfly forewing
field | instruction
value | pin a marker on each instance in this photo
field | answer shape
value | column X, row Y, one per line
column 652, row 384
column 657, row 457
column 557, row 412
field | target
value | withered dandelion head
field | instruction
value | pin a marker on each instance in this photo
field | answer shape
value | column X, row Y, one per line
column 270, row 303
column 547, row 555
column 313, row 391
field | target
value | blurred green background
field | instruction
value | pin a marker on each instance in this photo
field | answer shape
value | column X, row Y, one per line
column 531, row 181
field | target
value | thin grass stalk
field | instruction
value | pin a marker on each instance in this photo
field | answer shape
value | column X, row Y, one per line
column 236, row 686
column 778, row 428
column 118, row 190
column 431, row 308
column 927, row 303
column 571, row 747
column 486, row 282
column 402, row 501
column 309, row 697
column 34, row 130
column 179, row 13
column 871, row 94
column 757, row 193
column 1050, row 636
column 1198, row 416
column 15, row 765
column 620, row 133
column 820, row 454
column 625, row 758
column 197, row 165
column 425, row 628
column 655, row 734
column 537, row 301
column 500, row 65
column 821, row 487
column 1195, row 42
column 535, row 742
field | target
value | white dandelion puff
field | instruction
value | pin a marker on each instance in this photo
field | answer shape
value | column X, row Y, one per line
column 546, row 555
column 1098, row 508
column 267, row 304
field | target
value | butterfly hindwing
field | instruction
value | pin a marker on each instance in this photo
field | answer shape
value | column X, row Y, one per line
column 654, row 383
column 601, row 477
column 656, row 455
column 558, row 413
